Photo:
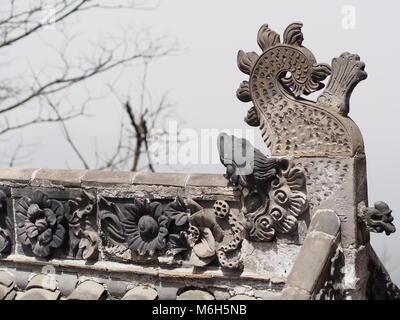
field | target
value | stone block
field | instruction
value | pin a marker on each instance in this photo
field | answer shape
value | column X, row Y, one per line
column 332, row 184
column 311, row 261
column 269, row 259
column 166, row 179
column 101, row 178
column 204, row 180
column 65, row 178
column 16, row 175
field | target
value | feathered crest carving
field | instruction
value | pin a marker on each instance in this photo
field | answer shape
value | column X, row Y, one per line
column 279, row 76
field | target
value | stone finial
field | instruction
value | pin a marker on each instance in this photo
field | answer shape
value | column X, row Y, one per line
column 291, row 125
column 378, row 218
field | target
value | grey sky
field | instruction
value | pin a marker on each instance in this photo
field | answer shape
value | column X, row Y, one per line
column 202, row 80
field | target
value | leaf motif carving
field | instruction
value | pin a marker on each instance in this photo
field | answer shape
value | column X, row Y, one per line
column 246, row 61
column 267, row 38
column 293, row 34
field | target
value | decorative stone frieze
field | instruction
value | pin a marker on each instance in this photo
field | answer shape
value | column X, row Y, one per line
column 293, row 225
column 6, row 225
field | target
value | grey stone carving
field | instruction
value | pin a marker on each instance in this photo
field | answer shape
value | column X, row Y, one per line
column 273, row 189
column 378, row 218
column 5, row 223
column 181, row 229
column 291, row 125
column 39, row 223
column 83, row 238
column 215, row 233
column 347, row 72
column 147, row 228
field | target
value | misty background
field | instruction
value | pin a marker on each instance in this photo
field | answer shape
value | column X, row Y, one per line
column 201, row 79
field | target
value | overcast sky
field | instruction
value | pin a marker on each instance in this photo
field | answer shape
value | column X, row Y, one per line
column 202, row 79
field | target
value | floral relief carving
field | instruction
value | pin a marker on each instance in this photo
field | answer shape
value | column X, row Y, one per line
column 39, row 223
column 147, row 228
column 181, row 229
column 83, row 238
column 5, row 223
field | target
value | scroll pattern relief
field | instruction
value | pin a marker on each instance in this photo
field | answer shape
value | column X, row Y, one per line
column 45, row 225
column 181, row 229
column 5, row 222
column 273, row 189
column 83, row 237
column 291, row 125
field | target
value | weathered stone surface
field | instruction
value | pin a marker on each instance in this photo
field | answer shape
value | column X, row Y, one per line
column 141, row 293
column 43, row 281
column 6, row 279
column 276, row 280
column 116, row 288
column 195, row 295
column 267, row 294
column 325, row 221
column 7, row 286
column 315, row 253
column 167, row 290
column 21, row 276
column 67, row 283
column 311, row 261
column 242, row 297
column 288, row 208
column 16, row 175
column 97, row 177
column 290, row 293
column 204, row 180
column 355, row 272
column 7, row 293
column 331, row 185
column 269, row 259
column 39, row 294
column 166, row 179
column 88, row 290
column 65, row 178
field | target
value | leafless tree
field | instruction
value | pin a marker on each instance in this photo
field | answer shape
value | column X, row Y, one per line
column 42, row 95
